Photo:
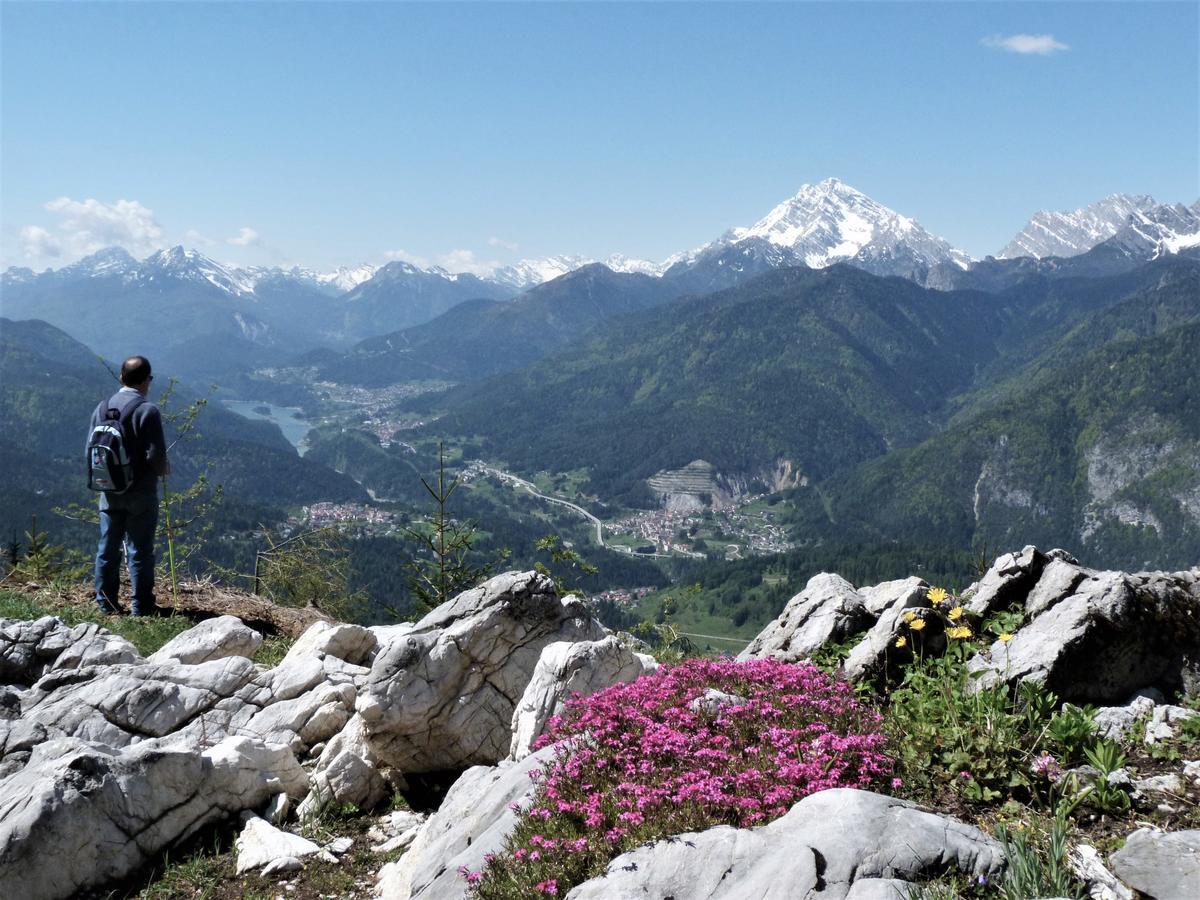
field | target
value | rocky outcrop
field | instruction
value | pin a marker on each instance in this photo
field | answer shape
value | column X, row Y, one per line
column 348, row 771
column 28, row 650
column 832, row 844
column 829, row 609
column 442, row 695
column 1158, row 865
column 1091, row 636
column 79, row 815
column 1102, row 636
column 565, row 669
column 217, row 638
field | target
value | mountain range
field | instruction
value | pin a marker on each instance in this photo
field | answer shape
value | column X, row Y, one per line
column 207, row 319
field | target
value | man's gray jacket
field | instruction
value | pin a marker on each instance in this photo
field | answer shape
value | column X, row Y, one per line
column 147, row 438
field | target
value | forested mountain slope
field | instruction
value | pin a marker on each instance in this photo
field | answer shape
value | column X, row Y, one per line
column 483, row 337
column 817, row 370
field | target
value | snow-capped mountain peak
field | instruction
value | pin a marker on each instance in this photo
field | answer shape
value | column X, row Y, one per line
column 109, row 261
column 347, row 278
column 192, row 265
column 1063, row 233
column 830, row 222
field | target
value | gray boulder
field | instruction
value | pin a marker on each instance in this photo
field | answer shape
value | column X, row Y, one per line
column 871, row 655
column 1009, row 580
column 565, row 669
column 353, row 644
column 1117, row 722
column 442, row 695
column 1113, row 634
column 828, row 609
column 346, row 772
column 118, row 705
column 832, row 844
column 1160, row 865
column 214, row 638
column 79, row 816
column 885, row 595
column 28, row 650
column 473, row 821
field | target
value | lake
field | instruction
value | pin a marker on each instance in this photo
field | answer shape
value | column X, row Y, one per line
column 290, row 419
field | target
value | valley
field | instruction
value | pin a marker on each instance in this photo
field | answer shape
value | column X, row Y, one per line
column 780, row 399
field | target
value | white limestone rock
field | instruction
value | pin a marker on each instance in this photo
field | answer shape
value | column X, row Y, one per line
column 870, row 655
column 443, row 695
column 1112, row 635
column 565, row 669
column 1160, row 865
column 215, row 638
column 1058, row 579
column 28, row 650
column 823, row 847
column 352, row 643
column 395, row 831
column 1008, row 581
column 1087, row 864
column 828, row 609
column 80, row 815
column 262, row 844
column 118, row 705
column 347, row 772
column 1117, row 722
column 887, row 594
column 473, row 820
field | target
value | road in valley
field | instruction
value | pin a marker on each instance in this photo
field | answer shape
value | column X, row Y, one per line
column 517, row 481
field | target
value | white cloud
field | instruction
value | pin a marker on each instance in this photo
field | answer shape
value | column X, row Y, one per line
column 194, row 238
column 38, row 243
column 1025, row 44
column 86, row 226
column 404, row 256
column 456, row 261
column 246, row 237
column 510, row 246
column 466, row 261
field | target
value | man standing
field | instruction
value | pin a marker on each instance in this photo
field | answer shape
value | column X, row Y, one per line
column 131, row 517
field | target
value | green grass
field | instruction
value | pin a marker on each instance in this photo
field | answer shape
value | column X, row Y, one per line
column 147, row 634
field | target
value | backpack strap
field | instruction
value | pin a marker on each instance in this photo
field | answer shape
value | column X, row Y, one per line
column 133, row 444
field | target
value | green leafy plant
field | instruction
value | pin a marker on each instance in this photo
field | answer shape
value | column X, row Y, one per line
column 1037, row 861
column 1102, row 795
column 1072, row 729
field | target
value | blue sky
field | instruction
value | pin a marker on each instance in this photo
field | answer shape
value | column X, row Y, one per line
column 331, row 134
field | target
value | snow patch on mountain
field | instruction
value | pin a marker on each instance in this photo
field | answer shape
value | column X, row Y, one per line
column 528, row 273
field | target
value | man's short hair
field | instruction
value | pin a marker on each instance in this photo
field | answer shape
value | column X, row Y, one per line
column 134, row 371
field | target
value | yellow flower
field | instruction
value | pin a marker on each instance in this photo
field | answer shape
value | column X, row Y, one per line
column 1006, row 637
column 909, row 616
column 901, row 641
column 955, row 614
column 917, row 624
column 937, row 595
column 959, row 631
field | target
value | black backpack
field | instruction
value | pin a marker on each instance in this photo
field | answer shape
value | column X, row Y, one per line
column 113, row 456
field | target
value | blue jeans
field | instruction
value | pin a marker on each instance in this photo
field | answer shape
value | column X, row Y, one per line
column 132, row 521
